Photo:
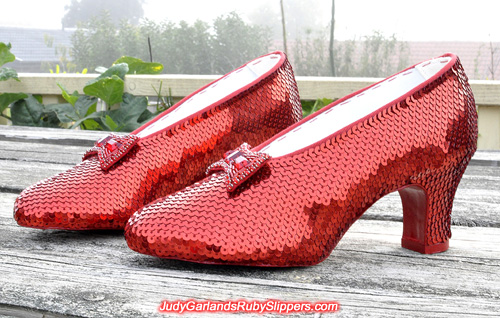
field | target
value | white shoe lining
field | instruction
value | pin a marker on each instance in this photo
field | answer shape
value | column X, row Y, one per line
column 215, row 92
column 354, row 109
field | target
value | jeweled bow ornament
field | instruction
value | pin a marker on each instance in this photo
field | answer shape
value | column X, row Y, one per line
column 111, row 149
column 239, row 165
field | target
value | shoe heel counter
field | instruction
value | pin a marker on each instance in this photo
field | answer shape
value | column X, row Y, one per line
column 468, row 117
column 292, row 107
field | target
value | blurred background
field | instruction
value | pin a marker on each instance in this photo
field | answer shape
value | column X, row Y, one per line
column 345, row 38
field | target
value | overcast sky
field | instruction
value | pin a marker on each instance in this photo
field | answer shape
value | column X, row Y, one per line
column 422, row 20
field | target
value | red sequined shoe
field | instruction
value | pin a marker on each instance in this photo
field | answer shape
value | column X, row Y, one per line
column 289, row 201
column 120, row 174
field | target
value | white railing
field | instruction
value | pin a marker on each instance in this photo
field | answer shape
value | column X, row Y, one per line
column 487, row 93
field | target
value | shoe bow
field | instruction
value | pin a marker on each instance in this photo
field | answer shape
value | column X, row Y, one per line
column 238, row 165
column 111, row 149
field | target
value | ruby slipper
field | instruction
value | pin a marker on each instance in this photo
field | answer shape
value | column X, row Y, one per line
column 120, row 174
column 288, row 201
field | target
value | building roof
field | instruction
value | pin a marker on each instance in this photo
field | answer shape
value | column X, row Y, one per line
column 481, row 60
column 28, row 45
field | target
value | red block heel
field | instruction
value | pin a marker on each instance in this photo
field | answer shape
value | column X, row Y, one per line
column 427, row 211
column 289, row 201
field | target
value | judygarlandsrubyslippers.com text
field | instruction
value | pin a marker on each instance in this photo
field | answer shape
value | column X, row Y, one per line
column 247, row 306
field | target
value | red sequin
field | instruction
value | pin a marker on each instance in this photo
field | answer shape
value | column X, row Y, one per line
column 294, row 210
column 88, row 197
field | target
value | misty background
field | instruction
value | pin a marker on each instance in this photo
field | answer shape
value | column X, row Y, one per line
column 371, row 38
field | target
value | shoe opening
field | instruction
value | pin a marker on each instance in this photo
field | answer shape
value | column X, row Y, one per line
column 353, row 109
column 227, row 85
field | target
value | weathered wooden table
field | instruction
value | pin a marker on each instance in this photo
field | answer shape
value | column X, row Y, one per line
column 94, row 274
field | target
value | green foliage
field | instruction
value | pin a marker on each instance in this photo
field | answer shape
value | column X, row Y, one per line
column 109, row 85
column 31, row 112
column 81, row 110
column 8, row 98
column 131, row 114
column 311, row 106
column 69, row 98
column 234, row 38
column 311, row 56
column 5, row 57
column 58, row 70
column 64, row 64
column 377, row 56
column 138, row 66
column 183, row 48
column 163, row 102
column 94, row 43
column 83, row 10
column 8, row 73
column 374, row 56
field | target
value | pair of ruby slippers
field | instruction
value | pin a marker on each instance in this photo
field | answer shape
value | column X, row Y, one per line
column 288, row 200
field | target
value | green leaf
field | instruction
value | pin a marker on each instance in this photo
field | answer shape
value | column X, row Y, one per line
column 69, row 98
column 85, row 105
column 110, row 123
column 145, row 117
column 64, row 112
column 8, row 98
column 39, row 98
column 27, row 112
column 127, row 116
column 92, row 109
column 8, row 73
column 49, row 119
column 90, row 124
column 5, row 55
column 119, row 70
column 309, row 107
column 138, row 66
column 109, row 85
column 109, row 89
column 93, row 117
column 68, row 113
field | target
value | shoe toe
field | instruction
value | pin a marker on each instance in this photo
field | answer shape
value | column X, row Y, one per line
column 205, row 224
column 80, row 198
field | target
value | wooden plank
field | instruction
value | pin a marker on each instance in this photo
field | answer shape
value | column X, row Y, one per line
column 94, row 274
column 15, row 311
column 63, row 137
column 142, row 85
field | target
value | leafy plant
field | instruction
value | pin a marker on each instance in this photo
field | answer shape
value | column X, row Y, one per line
column 5, row 57
column 138, row 66
column 78, row 111
column 8, row 98
column 31, row 112
column 184, row 48
column 374, row 56
column 81, row 110
column 311, row 106
column 7, row 73
column 163, row 102
column 109, row 85
column 58, row 70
